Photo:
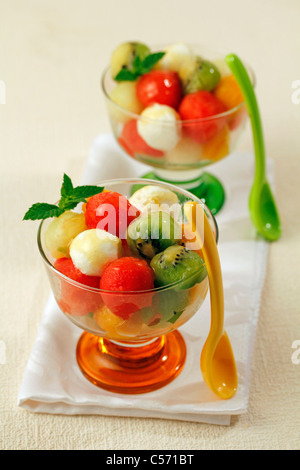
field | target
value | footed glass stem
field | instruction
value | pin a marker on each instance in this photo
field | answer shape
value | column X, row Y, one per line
column 205, row 186
column 131, row 368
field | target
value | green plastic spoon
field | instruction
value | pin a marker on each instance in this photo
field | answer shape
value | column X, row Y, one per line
column 262, row 206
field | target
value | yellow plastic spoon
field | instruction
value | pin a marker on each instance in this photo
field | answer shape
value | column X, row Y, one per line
column 217, row 359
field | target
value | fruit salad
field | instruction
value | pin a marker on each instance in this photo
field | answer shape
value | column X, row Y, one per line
column 174, row 108
column 121, row 265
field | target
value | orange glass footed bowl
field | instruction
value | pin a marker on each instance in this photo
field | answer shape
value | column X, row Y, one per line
column 129, row 281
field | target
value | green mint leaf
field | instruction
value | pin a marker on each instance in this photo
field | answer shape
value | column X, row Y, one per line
column 67, row 204
column 79, row 194
column 139, row 67
column 42, row 210
column 85, row 191
column 67, row 186
column 125, row 75
column 137, row 62
column 150, row 60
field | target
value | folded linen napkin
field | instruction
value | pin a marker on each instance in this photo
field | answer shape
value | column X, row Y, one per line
column 53, row 383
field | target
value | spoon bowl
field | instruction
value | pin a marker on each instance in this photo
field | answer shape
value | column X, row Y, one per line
column 263, row 211
column 218, row 366
column 262, row 206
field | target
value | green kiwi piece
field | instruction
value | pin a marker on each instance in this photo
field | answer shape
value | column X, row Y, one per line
column 167, row 306
column 152, row 233
column 172, row 303
column 124, row 55
column 204, row 76
column 178, row 265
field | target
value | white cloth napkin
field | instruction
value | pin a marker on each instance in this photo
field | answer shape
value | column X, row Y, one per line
column 52, row 381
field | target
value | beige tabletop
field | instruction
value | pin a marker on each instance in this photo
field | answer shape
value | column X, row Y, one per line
column 51, row 56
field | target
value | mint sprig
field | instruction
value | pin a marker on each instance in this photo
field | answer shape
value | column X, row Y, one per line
column 139, row 67
column 70, row 197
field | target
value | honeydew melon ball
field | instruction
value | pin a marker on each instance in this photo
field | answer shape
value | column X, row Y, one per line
column 61, row 231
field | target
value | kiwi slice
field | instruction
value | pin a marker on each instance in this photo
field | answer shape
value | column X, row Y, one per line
column 124, row 55
column 204, row 76
column 152, row 233
column 167, row 306
column 176, row 264
column 172, row 303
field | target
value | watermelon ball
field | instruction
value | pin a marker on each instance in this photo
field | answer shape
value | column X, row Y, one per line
column 132, row 142
column 159, row 86
column 200, row 105
column 126, row 277
column 110, row 211
column 73, row 299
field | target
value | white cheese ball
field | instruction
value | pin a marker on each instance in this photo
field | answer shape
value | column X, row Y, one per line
column 93, row 249
column 145, row 198
column 176, row 57
column 159, row 127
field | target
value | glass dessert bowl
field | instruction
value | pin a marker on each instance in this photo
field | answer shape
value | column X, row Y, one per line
column 141, row 278
column 180, row 115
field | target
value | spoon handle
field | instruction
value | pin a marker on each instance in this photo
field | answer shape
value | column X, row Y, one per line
column 241, row 75
column 217, row 360
column 197, row 218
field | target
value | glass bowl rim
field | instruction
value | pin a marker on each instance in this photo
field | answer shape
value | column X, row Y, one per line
column 148, row 291
column 180, row 121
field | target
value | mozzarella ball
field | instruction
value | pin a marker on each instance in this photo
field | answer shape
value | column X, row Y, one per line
column 144, row 198
column 176, row 57
column 159, row 127
column 93, row 249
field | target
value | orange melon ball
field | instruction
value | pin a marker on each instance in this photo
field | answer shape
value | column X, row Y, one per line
column 107, row 320
column 229, row 92
column 217, row 147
